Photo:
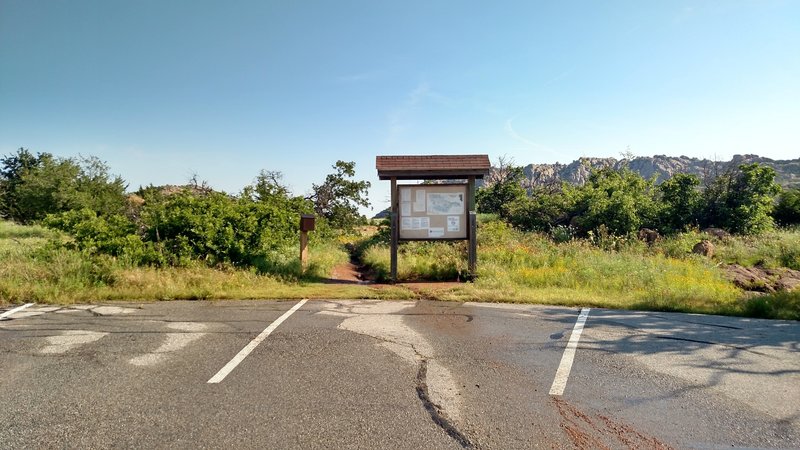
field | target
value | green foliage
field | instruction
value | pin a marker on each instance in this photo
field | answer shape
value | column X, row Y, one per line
column 497, row 196
column 219, row 229
column 12, row 168
column 31, row 187
column 741, row 200
column 419, row 260
column 113, row 235
column 787, row 210
column 529, row 267
column 780, row 305
column 541, row 211
column 680, row 203
column 34, row 268
column 620, row 200
column 338, row 198
column 196, row 224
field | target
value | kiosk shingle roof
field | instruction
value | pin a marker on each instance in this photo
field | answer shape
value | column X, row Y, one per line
column 432, row 166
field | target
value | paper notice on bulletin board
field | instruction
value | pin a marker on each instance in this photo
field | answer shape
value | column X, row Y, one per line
column 453, row 223
column 405, row 195
column 419, row 223
column 405, row 223
column 405, row 209
column 419, row 201
column 435, row 232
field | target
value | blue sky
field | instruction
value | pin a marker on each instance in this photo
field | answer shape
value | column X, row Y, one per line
column 164, row 89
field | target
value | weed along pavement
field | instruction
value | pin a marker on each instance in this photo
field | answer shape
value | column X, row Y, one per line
column 393, row 374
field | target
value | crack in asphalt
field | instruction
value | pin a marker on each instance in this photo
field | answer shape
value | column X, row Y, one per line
column 435, row 411
column 413, row 348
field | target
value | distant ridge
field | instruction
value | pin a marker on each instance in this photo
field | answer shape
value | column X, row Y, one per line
column 660, row 166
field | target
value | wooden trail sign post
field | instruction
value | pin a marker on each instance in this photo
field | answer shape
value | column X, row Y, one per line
column 307, row 223
column 427, row 212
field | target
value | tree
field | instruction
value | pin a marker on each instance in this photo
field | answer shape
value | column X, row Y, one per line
column 34, row 186
column 741, row 200
column 503, row 187
column 621, row 200
column 787, row 211
column 12, row 168
column 680, row 202
column 338, row 198
column 268, row 185
column 544, row 209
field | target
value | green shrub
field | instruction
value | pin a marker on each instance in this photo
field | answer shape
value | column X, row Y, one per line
column 31, row 187
column 741, row 200
column 787, row 210
column 620, row 200
column 680, row 203
column 541, row 211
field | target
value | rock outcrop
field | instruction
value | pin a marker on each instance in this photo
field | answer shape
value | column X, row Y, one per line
column 759, row 279
column 660, row 166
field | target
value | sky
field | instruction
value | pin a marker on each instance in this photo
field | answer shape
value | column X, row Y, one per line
column 163, row 90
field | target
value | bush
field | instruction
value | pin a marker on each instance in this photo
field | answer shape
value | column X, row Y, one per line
column 541, row 211
column 31, row 187
column 620, row 200
column 220, row 229
column 179, row 228
column 113, row 235
column 680, row 203
column 741, row 200
column 787, row 210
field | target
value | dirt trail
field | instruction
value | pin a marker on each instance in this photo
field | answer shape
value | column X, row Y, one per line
column 346, row 273
column 354, row 272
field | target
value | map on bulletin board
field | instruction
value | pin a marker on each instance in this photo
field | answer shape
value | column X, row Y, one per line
column 432, row 211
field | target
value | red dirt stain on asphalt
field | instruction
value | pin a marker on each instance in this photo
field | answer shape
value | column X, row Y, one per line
column 595, row 431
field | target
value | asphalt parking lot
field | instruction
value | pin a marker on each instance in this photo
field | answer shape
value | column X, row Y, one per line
column 379, row 374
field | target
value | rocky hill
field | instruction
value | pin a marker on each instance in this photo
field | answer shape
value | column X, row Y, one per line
column 660, row 166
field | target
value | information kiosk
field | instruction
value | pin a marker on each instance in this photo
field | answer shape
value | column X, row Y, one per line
column 436, row 211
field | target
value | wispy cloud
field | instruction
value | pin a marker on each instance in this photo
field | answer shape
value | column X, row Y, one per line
column 535, row 145
column 401, row 117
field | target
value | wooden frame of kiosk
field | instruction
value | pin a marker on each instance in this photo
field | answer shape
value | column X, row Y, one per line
column 437, row 211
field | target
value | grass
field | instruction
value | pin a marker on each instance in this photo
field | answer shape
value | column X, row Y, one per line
column 33, row 270
column 770, row 249
column 780, row 305
column 531, row 268
column 513, row 267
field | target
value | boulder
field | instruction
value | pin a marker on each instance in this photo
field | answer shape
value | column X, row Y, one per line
column 649, row 236
column 704, row 247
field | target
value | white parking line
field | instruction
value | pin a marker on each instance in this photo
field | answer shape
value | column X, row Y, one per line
column 13, row 310
column 253, row 344
column 562, row 374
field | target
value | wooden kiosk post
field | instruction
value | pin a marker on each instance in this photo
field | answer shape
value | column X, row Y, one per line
column 395, row 230
column 438, row 211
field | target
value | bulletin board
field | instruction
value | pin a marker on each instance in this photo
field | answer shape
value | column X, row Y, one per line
column 432, row 211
